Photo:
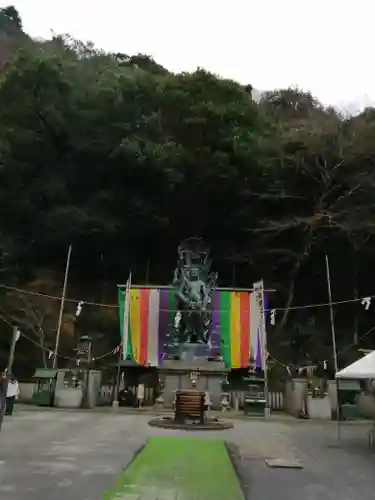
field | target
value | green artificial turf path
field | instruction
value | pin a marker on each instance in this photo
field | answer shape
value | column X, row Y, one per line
column 171, row 468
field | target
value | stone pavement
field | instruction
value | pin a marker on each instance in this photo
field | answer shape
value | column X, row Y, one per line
column 48, row 455
column 332, row 469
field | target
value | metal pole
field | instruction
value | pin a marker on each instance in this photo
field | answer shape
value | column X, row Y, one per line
column 265, row 354
column 15, row 337
column 115, row 403
column 334, row 349
column 61, row 308
column 86, row 402
column 259, row 291
column 335, row 364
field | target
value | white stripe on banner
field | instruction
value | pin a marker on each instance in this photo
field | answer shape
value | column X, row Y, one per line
column 126, row 319
column 153, row 328
column 255, row 318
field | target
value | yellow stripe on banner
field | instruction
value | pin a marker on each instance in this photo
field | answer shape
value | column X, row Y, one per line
column 235, row 329
column 135, row 322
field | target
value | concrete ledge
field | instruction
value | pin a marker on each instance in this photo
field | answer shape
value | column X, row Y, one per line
column 209, row 425
column 282, row 463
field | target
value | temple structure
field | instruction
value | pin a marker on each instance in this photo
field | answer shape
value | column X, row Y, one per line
column 193, row 329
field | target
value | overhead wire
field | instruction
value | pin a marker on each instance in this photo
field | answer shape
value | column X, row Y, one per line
column 115, row 306
column 344, row 349
column 43, row 348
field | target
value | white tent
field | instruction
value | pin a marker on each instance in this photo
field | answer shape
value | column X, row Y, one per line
column 364, row 368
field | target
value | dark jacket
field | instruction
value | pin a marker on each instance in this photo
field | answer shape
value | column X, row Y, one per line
column 3, row 387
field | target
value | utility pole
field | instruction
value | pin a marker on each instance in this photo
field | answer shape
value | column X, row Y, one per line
column 259, row 290
column 84, row 354
column 333, row 332
column 115, row 402
column 334, row 348
column 15, row 337
column 54, row 364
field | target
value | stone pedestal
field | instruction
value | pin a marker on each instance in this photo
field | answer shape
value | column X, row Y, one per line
column 296, row 397
column 192, row 352
column 68, row 397
column 159, row 403
column 176, row 375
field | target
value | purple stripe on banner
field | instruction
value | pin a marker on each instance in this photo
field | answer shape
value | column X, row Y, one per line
column 215, row 325
column 164, row 316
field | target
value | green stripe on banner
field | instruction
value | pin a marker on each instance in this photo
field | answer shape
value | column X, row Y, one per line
column 127, row 351
column 225, row 327
column 172, row 307
column 129, row 354
column 171, row 468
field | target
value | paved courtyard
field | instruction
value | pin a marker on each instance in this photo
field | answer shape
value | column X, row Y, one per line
column 58, row 455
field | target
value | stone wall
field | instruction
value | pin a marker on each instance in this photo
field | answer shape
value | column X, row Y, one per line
column 26, row 392
column 366, row 405
column 295, row 396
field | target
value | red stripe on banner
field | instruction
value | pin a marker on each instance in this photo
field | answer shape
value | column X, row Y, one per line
column 144, row 311
column 245, row 329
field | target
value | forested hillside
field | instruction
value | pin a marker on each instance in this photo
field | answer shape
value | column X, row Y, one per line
column 12, row 35
column 122, row 159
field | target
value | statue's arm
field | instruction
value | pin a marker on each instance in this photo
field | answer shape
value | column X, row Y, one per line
column 179, row 283
column 176, row 278
column 205, row 296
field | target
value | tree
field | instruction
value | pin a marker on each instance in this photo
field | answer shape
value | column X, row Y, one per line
column 11, row 15
column 120, row 158
column 36, row 315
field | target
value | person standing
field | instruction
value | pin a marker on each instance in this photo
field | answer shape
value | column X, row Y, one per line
column 3, row 391
column 140, row 394
column 12, row 394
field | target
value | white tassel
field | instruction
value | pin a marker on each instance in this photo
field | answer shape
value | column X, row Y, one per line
column 79, row 308
column 366, row 301
column 273, row 317
column 50, row 354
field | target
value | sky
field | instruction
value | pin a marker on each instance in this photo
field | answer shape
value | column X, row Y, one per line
column 323, row 46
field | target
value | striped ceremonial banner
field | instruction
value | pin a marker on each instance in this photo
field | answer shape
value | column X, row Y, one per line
column 237, row 316
column 235, row 325
column 151, row 314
